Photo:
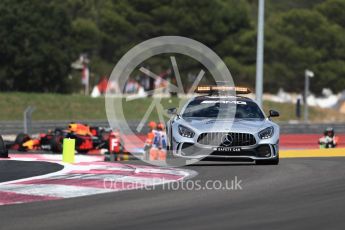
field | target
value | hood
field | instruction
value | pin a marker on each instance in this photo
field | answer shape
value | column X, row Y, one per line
column 230, row 125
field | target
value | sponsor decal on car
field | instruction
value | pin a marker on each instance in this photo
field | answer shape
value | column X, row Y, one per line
column 225, row 102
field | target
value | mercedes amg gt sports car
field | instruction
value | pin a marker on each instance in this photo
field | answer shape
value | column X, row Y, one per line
column 220, row 126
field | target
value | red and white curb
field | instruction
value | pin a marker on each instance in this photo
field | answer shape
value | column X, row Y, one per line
column 87, row 178
column 53, row 157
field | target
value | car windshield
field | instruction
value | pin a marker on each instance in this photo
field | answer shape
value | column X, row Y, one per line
column 223, row 109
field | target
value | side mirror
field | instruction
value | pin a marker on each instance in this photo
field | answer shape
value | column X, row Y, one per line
column 273, row 113
column 172, row 111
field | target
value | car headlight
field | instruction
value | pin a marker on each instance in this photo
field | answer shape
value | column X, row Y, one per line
column 266, row 133
column 185, row 132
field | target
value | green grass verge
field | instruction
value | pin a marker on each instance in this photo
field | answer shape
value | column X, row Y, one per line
column 78, row 107
column 51, row 106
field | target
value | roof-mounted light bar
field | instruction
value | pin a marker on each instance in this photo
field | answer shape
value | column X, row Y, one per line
column 219, row 89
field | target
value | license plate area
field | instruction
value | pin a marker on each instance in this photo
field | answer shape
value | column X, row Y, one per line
column 227, row 149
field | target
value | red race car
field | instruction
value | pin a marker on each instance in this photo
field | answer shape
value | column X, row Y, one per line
column 87, row 139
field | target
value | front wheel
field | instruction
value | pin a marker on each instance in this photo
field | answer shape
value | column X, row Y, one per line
column 20, row 140
column 3, row 150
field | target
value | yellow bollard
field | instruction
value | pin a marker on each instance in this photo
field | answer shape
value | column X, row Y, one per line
column 68, row 150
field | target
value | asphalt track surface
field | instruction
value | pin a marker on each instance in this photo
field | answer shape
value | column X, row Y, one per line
column 14, row 170
column 304, row 193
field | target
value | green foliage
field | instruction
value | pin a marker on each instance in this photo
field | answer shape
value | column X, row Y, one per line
column 36, row 47
column 86, row 35
column 302, row 39
column 333, row 10
column 40, row 39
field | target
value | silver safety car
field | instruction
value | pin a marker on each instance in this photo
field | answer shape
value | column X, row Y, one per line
column 218, row 126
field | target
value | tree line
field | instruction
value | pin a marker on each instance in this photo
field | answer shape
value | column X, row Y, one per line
column 40, row 39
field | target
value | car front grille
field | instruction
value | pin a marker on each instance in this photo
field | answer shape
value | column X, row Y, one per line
column 234, row 139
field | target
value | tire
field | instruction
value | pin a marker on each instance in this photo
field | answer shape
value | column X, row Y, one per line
column 274, row 161
column 56, row 144
column 20, row 140
column 3, row 150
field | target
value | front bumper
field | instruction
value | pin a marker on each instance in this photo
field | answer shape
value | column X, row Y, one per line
column 255, row 152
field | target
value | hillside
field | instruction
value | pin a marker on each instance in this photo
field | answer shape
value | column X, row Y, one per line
column 76, row 107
